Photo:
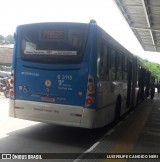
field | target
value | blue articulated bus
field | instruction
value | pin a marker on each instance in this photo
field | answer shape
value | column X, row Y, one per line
column 72, row 74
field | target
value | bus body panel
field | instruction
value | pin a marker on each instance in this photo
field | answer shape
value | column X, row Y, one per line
column 107, row 94
column 75, row 116
column 60, row 86
column 52, row 91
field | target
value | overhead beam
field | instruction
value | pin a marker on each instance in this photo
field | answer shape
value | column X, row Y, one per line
column 152, row 29
column 148, row 22
column 137, row 28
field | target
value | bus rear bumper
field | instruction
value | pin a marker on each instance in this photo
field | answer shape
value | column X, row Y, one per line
column 68, row 115
column 11, row 108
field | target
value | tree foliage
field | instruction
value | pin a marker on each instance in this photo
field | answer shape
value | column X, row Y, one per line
column 154, row 68
column 6, row 40
column 1, row 39
column 9, row 39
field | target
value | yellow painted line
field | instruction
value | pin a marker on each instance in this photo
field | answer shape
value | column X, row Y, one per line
column 125, row 142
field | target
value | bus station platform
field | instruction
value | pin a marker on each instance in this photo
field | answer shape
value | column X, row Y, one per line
column 135, row 139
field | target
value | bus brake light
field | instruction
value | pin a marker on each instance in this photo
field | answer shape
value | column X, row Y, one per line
column 90, row 88
column 88, row 101
column 11, row 85
column 90, row 95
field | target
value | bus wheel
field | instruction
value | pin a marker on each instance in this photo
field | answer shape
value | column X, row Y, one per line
column 117, row 111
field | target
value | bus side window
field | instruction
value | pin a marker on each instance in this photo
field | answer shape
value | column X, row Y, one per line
column 112, row 72
column 103, row 61
column 124, row 68
column 108, row 62
column 119, row 62
column 119, row 66
column 139, row 75
column 113, row 60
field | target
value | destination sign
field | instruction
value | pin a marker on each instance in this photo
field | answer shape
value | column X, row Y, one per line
column 52, row 34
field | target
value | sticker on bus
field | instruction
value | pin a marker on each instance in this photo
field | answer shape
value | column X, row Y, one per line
column 51, row 52
column 47, row 99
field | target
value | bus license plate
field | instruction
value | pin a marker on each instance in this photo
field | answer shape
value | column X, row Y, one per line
column 48, row 99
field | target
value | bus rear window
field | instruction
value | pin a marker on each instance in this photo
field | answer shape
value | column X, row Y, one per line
column 54, row 44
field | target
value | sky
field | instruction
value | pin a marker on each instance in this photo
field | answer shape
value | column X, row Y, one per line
column 105, row 12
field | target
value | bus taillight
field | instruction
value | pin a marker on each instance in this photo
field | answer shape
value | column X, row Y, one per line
column 91, row 95
column 90, row 87
column 90, row 92
column 12, row 85
column 88, row 101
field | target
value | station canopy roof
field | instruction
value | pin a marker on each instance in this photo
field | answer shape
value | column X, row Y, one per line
column 143, row 16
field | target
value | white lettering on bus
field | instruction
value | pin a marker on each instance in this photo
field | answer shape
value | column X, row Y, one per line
column 64, row 77
column 30, row 73
column 60, row 82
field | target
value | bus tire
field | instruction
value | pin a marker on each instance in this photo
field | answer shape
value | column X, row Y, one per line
column 117, row 111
